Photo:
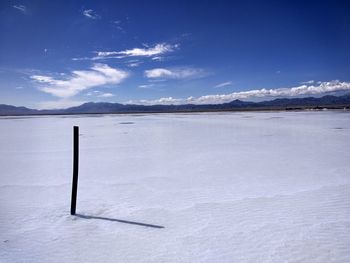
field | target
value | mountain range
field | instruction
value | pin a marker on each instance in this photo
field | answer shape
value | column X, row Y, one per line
column 328, row 101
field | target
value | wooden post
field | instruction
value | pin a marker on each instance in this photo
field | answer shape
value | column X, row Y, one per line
column 75, row 169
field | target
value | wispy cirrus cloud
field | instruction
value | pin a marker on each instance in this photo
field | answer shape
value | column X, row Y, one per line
column 174, row 73
column 21, row 8
column 158, row 49
column 133, row 63
column 308, row 82
column 146, row 86
column 306, row 89
column 91, row 14
column 99, row 94
column 106, row 95
column 80, row 80
column 223, row 84
column 158, row 58
column 153, row 52
column 161, row 101
column 117, row 24
column 152, row 86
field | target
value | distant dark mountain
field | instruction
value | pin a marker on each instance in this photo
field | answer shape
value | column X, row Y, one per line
column 13, row 110
column 240, row 103
column 105, row 107
column 309, row 101
column 93, row 107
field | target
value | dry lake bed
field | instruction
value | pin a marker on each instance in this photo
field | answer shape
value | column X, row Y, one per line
column 209, row 187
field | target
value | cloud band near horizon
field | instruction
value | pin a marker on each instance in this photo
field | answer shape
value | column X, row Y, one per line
column 305, row 89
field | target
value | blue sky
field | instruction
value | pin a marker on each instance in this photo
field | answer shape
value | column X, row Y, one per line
column 57, row 54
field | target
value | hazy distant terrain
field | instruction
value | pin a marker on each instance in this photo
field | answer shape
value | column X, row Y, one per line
column 226, row 187
column 329, row 101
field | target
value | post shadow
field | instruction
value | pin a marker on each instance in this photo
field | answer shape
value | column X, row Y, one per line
column 75, row 188
column 118, row 220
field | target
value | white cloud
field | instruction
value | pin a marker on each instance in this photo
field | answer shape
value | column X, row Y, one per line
column 158, row 49
column 99, row 94
column 120, row 29
column 152, row 86
column 146, row 86
column 168, row 100
column 106, row 95
column 117, row 24
column 80, row 80
column 174, row 73
column 133, row 63
column 320, row 88
column 58, row 104
column 158, row 58
column 89, row 13
column 156, row 80
column 82, row 58
column 91, row 93
column 305, row 89
column 308, row 82
column 161, row 101
column 21, row 8
column 224, row 84
column 153, row 52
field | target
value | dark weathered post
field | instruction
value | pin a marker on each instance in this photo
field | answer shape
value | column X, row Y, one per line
column 75, row 169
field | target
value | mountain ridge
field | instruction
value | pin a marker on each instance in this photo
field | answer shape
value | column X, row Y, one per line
column 330, row 101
